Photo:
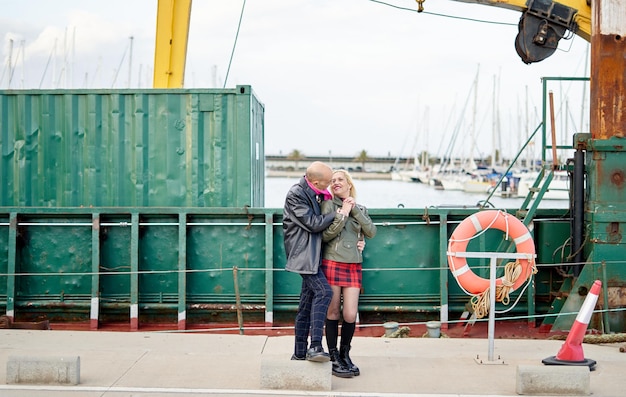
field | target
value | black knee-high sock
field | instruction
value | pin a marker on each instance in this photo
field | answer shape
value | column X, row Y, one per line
column 347, row 332
column 332, row 331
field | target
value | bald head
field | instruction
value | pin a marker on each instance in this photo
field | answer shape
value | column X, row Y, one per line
column 319, row 174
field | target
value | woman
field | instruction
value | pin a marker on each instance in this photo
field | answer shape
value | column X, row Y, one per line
column 341, row 262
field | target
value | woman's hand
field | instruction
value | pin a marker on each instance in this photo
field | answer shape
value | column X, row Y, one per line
column 360, row 245
column 348, row 203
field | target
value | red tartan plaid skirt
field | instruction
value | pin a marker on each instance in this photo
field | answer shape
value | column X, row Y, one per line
column 342, row 274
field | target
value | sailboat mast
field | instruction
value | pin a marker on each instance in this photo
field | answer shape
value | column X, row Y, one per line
column 473, row 147
column 494, row 133
column 10, row 61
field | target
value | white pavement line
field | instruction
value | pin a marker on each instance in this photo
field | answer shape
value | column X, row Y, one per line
column 178, row 390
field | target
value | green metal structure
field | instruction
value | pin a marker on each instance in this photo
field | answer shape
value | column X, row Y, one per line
column 146, row 207
column 132, row 148
column 86, row 264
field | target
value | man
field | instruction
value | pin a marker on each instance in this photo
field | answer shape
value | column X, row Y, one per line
column 303, row 224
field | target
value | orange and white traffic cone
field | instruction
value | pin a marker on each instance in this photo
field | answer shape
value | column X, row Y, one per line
column 571, row 352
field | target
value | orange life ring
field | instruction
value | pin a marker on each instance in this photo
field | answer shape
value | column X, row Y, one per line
column 476, row 223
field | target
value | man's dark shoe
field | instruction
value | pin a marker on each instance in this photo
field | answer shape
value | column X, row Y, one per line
column 296, row 358
column 340, row 368
column 317, row 354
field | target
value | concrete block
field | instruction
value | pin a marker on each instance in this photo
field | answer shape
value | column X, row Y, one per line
column 565, row 380
column 279, row 372
column 43, row 370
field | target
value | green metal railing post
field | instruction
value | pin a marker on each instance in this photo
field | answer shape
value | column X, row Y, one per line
column 182, row 271
column 531, row 296
column 94, row 314
column 134, row 271
column 11, row 265
column 605, row 297
column 269, row 269
column 443, row 272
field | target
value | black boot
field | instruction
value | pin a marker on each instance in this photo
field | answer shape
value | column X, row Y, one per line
column 340, row 368
column 344, row 354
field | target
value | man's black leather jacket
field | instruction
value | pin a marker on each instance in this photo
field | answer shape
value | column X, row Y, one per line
column 303, row 224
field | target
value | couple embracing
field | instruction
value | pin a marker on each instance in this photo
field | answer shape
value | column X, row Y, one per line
column 324, row 238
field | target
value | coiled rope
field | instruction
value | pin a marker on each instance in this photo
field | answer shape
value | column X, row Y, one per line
column 512, row 271
column 594, row 339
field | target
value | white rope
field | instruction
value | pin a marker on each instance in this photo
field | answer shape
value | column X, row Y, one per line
column 531, row 271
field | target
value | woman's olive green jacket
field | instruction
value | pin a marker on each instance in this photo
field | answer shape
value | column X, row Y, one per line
column 339, row 240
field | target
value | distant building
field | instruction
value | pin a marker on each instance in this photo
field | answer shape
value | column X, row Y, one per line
column 374, row 164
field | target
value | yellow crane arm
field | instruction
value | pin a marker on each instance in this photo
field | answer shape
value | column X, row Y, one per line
column 170, row 51
column 582, row 18
column 543, row 23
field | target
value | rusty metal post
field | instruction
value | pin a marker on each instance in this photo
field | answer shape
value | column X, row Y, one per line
column 605, row 205
column 555, row 160
column 608, row 69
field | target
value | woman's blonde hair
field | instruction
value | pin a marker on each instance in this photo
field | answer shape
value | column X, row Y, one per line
column 349, row 179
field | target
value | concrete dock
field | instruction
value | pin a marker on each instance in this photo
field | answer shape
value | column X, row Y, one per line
column 114, row 364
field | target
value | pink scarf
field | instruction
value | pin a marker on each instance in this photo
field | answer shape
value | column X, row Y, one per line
column 325, row 193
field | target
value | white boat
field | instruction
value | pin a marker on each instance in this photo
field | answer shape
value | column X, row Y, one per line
column 452, row 178
column 452, row 182
column 557, row 190
column 468, row 178
column 402, row 175
column 419, row 171
column 476, row 185
column 414, row 175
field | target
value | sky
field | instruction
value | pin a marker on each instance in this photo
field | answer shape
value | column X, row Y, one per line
column 336, row 77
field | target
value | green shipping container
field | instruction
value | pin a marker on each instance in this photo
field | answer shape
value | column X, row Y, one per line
column 132, row 148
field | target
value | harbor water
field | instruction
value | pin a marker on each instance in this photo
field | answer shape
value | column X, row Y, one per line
column 379, row 193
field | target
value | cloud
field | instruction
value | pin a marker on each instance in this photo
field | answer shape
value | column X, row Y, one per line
column 343, row 76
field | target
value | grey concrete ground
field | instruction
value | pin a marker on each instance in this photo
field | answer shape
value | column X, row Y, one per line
column 116, row 364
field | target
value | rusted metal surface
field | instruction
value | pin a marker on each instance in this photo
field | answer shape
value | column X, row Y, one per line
column 617, row 178
column 617, row 296
column 7, row 323
column 608, row 70
column 605, row 206
column 225, row 307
